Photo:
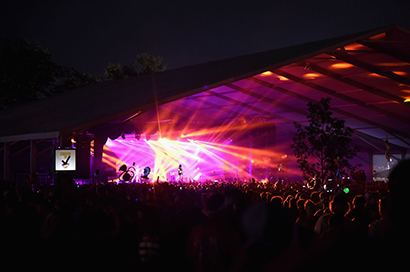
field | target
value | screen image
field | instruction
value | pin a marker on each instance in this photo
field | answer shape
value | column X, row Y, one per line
column 65, row 160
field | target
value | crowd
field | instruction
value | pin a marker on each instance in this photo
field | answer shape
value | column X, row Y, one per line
column 203, row 226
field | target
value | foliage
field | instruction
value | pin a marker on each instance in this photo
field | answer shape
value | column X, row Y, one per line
column 116, row 71
column 147, row 63
column 144, row 64
column 27, row 72
column 323, row 147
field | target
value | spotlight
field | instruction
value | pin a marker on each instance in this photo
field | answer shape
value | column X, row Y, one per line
column 138, row 136
column 197, row 176
column 307, row 65
column 123, row 136
column 148, row 137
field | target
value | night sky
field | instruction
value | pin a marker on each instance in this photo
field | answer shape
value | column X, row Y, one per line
column 87, row 35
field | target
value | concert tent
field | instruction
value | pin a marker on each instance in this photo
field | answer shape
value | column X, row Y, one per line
column 366, row 75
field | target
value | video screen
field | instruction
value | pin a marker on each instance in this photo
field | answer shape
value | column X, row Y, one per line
column 65, row 159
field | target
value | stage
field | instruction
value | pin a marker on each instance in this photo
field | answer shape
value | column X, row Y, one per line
column 228, row 152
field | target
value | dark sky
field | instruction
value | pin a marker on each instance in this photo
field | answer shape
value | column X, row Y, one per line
column 87, row 35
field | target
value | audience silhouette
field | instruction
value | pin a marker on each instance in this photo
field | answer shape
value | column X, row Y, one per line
column 204, row 226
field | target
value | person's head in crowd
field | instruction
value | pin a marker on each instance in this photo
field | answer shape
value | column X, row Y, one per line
column 399, row 187
column 314, row 196
column 214, row 205
column 382, row 206
column 293, row 203
column 250, row 194
column 263, row 196
column 309, row 208
column 324, row 197
column 287, row 200
column 301, row 205
column 359, row 202
column 239, row 200
column 277, row 199
column 339, row 204
column 268, row 231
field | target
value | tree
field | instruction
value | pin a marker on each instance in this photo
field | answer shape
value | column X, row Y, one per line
column 144, row 64
column 115, row 71
column 72, row 78
column 323, row 148
column 148, row 63
column 27, row 72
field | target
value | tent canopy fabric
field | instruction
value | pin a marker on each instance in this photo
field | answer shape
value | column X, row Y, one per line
column 367, row 76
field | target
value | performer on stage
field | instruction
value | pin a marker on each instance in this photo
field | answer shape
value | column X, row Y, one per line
column 180, row 172
column 147, row 171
